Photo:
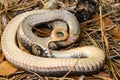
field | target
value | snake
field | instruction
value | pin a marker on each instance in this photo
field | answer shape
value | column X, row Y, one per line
column 91, row 58
column 26, row 35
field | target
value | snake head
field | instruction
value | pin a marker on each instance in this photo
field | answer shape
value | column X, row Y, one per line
column 39, row 51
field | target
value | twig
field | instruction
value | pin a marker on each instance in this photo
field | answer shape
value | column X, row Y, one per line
column 61, row 78
column 103, row 78
column 45, row 6
column 101, row 26
column 71, row 68
column 36, row 74
column 92, row 20
column 92, row 40
column 16, row 6
column 39, row 30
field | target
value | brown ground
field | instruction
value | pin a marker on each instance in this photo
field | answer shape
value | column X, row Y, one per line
column 91, row 34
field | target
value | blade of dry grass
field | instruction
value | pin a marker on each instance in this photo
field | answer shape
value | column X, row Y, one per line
column 92, row 40
column 93, row 20
column 18, row 6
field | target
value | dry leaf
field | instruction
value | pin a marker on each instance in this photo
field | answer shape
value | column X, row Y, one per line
column 108, row 24
column 111, row 28
column 1, row 57
column 115, row 32
column 6, row 68
column 22, row 47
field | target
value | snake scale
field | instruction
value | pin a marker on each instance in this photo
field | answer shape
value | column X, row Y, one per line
column 91, row 58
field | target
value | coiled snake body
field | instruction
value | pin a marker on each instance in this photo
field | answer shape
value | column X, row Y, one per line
column 49, row 66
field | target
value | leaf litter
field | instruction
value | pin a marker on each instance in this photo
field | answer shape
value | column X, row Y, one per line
column 102, row 31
